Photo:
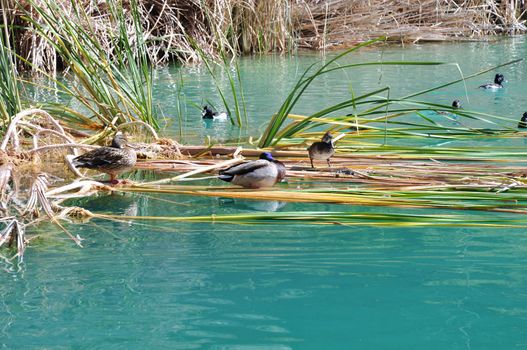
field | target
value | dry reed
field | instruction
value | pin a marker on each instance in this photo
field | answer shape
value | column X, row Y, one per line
column 174, row 29
column 399, row 180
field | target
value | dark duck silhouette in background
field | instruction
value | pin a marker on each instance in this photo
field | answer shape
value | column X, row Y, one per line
column 523, row 122
column 322, row 150
column 208, row 113
column 264, row 172
column 497, row 84
column 456, row 104
column 112, row 160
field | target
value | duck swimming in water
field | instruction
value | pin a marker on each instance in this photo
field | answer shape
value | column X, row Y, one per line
column 208, row 113
column 498, row 80
column 322, row 150
column 112, row 160
column 264, row 172
column 456, row 104
column 523, row 122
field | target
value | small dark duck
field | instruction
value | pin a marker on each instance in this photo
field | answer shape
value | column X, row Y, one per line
column 523, row 122
column 497, row 84
column 322, row 150
column 264, row 172
column 112, row 160
column 208, row 113
column 456, row 104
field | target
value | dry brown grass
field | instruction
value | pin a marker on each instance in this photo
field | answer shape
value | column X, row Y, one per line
column 173, row 28
column 341, row 23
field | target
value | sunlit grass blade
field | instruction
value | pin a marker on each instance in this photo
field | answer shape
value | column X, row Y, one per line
column 337, row 218
column 276, row 131
column 10, row 101
column 279, row 118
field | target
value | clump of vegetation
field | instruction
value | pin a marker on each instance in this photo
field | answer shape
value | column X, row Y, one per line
column 325, row 24
column 172, row 28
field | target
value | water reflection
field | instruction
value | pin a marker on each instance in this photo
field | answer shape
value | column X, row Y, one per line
column 233, row 286
column 217, row 130
column 252, row 205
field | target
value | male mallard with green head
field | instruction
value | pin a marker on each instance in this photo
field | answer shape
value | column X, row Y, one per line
column 264, row 172
column 112, row 160
column 322, row 150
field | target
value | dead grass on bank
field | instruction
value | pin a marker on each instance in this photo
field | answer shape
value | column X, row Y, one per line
column 340, row 23
column 174, row 29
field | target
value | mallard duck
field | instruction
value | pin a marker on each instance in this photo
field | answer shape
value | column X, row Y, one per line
column 208, row 113
column 523, row 122
column 112, row 160
column 264, row 172
column 498, row 80
column 322, row 150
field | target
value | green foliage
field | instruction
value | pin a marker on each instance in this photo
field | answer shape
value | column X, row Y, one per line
column 10, row 102
column 346, row 218
column 372, row 104
column 115, row 87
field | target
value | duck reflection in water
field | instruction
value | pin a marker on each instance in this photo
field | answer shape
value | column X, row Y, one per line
column 124, row 204
column 263, row 206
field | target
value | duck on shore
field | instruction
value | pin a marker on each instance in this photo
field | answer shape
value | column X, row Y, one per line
column 523, row 121
column 322, row 150
column 112, row 160
column 208, row 113
column 497, row 84
column 264, row 172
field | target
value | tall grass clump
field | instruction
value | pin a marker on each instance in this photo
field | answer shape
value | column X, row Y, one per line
column 170, row 27
column 113, row 86
column 132, row 58
column 10, row 102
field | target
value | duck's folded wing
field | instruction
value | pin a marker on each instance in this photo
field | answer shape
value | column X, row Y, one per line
column 245, row 168
column 97, row 158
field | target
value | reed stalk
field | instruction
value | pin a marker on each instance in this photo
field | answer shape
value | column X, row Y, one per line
column 10, row 101
column 113, row 85
column 342, row 218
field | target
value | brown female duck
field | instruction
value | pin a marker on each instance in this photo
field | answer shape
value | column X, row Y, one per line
column 112, row 160
column 322, row 150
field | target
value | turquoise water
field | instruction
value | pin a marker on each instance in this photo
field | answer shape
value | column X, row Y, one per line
column 268, row 79
column 219, row 286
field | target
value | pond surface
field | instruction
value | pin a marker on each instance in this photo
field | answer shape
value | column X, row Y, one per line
column 222, row 286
